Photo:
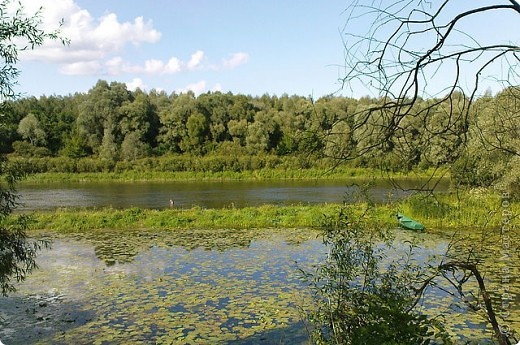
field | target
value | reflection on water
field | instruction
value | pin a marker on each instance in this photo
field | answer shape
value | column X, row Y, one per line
column 196, row 286
column 211, row 194
column 234, row 292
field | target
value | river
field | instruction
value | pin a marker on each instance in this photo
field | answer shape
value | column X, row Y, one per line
column 203, row 286
column 210, row 194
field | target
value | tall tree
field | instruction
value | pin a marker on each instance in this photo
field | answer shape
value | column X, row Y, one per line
column 173, row 121
column 139, row 126
column 18, row 32
column 99, row 116
column 416, row 50
column 30, row 129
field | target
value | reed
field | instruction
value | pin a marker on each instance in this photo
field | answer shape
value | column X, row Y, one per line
column 259, row 174
column 448, row 211
column 267, row 216
column 468, row 209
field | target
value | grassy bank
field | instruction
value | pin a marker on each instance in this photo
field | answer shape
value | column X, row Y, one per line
column 267, row 216
column 266, row 173
column 471, row 210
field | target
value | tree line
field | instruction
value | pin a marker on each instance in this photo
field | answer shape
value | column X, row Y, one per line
column 112, row 124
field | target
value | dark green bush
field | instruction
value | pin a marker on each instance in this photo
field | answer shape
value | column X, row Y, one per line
column 359, row 296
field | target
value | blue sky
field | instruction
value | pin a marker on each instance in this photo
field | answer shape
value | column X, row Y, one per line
column 249, row 47
column 243, row 46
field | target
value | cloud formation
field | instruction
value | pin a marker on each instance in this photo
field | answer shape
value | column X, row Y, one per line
column 97, row 45
column 90, row 38
column 136, row 83
column 235, row 60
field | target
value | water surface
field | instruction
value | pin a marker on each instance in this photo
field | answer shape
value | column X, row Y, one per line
column 211, row 194
column 197, row 287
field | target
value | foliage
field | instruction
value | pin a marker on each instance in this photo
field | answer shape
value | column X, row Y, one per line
column 361, row 297
column 428, row 112
column 29, row 128
column 17, row 252
column 115, row 126
column 18, row 32
column 440, row 215
column 267, row 216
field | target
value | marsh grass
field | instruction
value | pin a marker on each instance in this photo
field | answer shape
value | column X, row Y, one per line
column 267, row 216
column 447, row 211
column 454, row 210
column 260, row 174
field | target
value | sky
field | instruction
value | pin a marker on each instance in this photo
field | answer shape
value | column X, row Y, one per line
column 247, row 47
column 275, row 47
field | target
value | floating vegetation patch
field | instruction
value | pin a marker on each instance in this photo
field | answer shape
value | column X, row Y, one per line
column 176, row 288
column 197, row 286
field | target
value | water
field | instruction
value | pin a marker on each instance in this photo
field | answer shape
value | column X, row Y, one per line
column 211, row 194
column 201, row 286
column 193, row 287
column 243, row 291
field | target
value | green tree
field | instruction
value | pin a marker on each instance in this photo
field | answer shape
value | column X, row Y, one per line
column 238, row 131
column 197, row 128
column 294, row 117
column 413, row 50
column 173, row 121
column 109, row 149
column 492, row 154
column 216, row 107
column 139, row 125
column 140, row 116
column 18, row 32
column 133, row 147
column 448, row 66
column 363, row 297
column 57, row 116
column 75, row 145
column 99, row 117
column 264, row 133
column 29, row 128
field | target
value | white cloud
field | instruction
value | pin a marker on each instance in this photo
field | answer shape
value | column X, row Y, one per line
column 90, row 38
column 135, row 84
column 154, row 66
column 115, row 65
column 174, row 65
column 196, row 60
column 235, row 60
column 81, row 68
column 197, row 88
column 97, row 45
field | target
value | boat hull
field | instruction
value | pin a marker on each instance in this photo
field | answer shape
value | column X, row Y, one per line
column 408, row 223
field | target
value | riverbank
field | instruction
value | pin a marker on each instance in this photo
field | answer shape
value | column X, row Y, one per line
column 341, row 172
column 442, row 212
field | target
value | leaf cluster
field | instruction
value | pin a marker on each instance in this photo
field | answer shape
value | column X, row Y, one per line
column 18, row 32
column 360, row 295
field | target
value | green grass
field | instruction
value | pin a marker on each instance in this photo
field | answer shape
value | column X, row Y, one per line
column 261, row 174
column 268, row 216
column 463, row 209
column 443, row 212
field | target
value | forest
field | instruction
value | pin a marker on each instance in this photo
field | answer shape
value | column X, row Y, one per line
column 111, row 128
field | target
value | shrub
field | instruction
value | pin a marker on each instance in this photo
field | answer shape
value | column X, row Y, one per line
column 359, row 297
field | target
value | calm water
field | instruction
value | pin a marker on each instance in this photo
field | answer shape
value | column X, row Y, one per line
column 190, row 287
column 205, row 194
column 201, row 286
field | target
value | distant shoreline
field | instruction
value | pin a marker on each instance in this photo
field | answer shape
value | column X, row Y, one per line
column 260, row 174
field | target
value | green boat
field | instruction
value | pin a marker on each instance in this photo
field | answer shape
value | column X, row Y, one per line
column 408, row 223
